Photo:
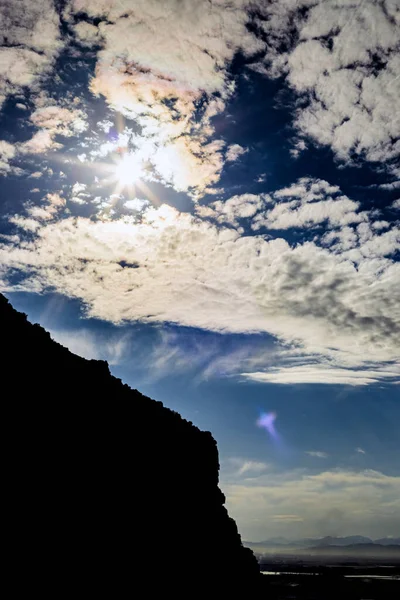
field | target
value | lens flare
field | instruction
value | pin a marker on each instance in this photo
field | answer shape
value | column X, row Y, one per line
column 266, row 421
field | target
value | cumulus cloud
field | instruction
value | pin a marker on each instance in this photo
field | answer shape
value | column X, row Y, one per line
column 301, row 212
column 50, row 207
column 191, row 272
column 305, row 204
column 233, row 210
column 30, row 40
column 52, row 120
column 368, row 501
column 343, row 60
column 234, row 152
column 7, row 153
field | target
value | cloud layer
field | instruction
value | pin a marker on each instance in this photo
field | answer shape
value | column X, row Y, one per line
column 300, row 504
column 164, row 63
column 342, row 58
column 335, row 309
column 30, row 40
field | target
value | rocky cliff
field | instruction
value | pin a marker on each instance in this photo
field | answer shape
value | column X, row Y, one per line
column 107, row 491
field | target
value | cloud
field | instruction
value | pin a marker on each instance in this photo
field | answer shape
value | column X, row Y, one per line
column 317, row 454
column 7, row 153
column 204, row 357
column 167, row 66
column 233, row 210
column 246, row 467
column 52, row 121
column 305, row 204
column 90, row 345
column 324, row 374
column 30, row 40
column 394, row 185
column 368, row 501
column 360, row 451
column 287, row 518
column 52, row 203
column 342, row 59
column 340, row 318
column 234, row 152
column 335, row 212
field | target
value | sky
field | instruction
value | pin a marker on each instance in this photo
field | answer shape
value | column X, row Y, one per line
column 206, row 195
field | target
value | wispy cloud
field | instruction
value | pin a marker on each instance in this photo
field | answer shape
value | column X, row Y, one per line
column 246, row 467
column 317, row 454
column 322, row 373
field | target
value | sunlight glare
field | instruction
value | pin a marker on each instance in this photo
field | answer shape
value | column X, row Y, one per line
column 129, row 169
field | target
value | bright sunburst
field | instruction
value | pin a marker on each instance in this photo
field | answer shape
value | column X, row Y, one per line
column 129, row 170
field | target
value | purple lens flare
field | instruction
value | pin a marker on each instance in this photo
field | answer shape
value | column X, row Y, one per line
column 266, row 421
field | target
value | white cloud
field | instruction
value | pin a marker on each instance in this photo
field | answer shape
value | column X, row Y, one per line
column 90, row 345
column 52, row 120
column 158, row 74
column 323, row 374
column 78, row 187
column 7, row 153
column 396, row 204
column 326, row 503
column 59, row 120
column 30, row 41
column 234, row 152
column 52, row 203
column 232, row 210
column 40, row 142
column 394, row 185
column 343, row 60
column 337, row 212
column 250, row 468
column 360, row 450
column 317, row 454
column 305, row 204
column 341, row 318
column 136, row 204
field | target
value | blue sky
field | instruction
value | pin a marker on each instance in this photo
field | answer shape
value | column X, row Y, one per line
column 208, row 197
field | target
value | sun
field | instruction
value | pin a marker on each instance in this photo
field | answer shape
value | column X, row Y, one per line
column 128, row 170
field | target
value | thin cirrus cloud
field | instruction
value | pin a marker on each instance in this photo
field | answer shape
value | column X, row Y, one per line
column 246, row 467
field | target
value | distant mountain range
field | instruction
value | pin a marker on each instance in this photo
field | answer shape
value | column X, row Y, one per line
column 349, row 540
column 351, row 543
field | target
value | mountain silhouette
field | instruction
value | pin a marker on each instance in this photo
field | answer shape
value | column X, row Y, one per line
column 96, row 474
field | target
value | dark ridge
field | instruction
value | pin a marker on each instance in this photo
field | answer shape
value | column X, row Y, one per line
column 107, row 491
